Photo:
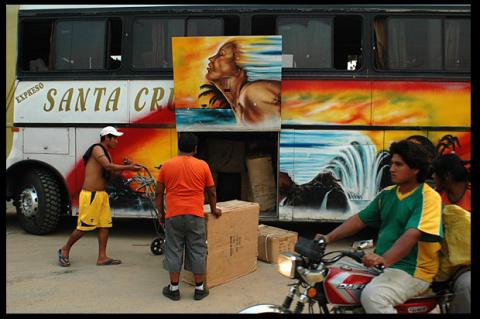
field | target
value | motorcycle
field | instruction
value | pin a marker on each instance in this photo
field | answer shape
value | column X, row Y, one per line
column 336, row 287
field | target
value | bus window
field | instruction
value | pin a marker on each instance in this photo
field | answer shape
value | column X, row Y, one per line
column 114, row 44
column 409, row 43
column 457, row 44
column 64, row 45
column 152, row 47
column 315, row 42
column 416, row 44
column 35, row 43
column 347, row 43
column 306, row 42
column 204, row 27
column 80, row 45
column 152, row 38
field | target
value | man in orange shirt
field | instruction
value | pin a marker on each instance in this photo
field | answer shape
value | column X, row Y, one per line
column 184, row 180
column 451, row 180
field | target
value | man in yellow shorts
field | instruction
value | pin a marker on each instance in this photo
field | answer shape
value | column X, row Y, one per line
column 94, row 207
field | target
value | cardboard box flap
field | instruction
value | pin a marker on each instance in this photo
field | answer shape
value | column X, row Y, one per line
column 231, row 205
column 273, row 232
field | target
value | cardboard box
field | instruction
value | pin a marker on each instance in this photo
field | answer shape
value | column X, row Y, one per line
column 272, row 241
column 262, row 182
column 232, row 242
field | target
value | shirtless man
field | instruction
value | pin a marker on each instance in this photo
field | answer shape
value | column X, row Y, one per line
column 94, row 206
column 252, row 102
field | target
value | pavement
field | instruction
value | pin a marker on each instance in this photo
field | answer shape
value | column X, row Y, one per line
column 35, row 283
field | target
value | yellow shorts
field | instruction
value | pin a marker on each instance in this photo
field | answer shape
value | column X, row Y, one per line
column 94, row 210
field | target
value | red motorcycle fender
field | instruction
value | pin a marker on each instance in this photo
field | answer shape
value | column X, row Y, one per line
column 417, row 305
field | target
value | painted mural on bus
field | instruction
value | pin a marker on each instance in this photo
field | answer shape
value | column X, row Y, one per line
column 227, row 83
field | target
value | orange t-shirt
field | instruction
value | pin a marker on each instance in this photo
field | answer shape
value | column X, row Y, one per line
column 185, row 179
column 465, row 202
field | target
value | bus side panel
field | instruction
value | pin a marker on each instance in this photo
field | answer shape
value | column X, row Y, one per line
column 151, row 102
column 409, row 103
column 147, row 146
column 329, row 175
column 50, row 145
column 448, row 141
column 326, row 102
column 71, row 102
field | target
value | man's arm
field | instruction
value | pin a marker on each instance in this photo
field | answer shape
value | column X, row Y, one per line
column 102, row 159
column 212, row 200
column 397, row 252
column 159, row 199
column 348, row 228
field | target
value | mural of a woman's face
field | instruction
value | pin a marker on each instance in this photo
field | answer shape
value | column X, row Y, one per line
column 222, row 65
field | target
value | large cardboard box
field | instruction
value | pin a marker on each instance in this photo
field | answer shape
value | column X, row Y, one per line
column 272, row 241
column 231, row 241
column 262, row 182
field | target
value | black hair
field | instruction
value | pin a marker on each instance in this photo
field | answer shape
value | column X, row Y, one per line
column 414, row 155
column 187, row 142
column 102, row 138
column 425, row 142
column 450, row 164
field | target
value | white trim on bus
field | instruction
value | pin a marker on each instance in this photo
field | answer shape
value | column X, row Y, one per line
column 83, row 6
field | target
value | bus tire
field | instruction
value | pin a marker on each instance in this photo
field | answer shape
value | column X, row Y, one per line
column 38, row 201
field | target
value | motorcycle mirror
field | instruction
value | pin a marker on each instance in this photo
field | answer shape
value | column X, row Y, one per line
column 363, row 244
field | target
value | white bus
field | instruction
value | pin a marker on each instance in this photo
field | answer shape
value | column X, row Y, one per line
column 354, row 79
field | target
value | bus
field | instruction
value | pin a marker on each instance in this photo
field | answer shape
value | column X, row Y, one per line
column 354, row 78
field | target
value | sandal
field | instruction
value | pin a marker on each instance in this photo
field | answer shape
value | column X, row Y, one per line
column 110, row 262
column 62, row 260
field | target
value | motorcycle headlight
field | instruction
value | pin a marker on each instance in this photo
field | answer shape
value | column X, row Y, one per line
column 287, row 263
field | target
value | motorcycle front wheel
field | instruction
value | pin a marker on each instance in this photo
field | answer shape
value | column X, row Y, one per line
column 264, row 308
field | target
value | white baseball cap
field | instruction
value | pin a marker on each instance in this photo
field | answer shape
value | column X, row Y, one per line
column 110, row 130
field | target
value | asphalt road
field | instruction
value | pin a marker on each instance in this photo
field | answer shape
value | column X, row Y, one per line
column 36, row 284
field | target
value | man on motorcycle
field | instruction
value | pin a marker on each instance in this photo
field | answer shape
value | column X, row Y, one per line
column 408, row 215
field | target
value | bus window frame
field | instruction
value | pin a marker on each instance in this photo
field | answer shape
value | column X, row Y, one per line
column 394, row 72
column 305, row 72
column 26, row 74
column 185, row 17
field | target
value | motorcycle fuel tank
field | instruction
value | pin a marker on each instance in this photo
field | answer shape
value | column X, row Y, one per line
column 344, row 284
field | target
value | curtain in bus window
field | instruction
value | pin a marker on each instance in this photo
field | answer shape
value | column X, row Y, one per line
column 205, row 27
column 51, row 53
column 397, row 46
column 80, row 45
column 379, row 27
column 457, row 44
column 308, row 41
column 152, row 47
column 414, row 44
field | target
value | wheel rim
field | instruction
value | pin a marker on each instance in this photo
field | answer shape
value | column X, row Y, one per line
column 157, row 246
column 29, row 202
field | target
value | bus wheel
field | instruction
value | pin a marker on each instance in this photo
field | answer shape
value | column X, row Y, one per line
column 38, row 202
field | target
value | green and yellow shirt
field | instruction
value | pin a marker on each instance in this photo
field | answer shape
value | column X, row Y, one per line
column 395, row 213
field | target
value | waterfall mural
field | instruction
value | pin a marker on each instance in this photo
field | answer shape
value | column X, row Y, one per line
column 328, row 174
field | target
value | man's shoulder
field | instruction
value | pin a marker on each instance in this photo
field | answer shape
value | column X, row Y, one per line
column 176, row 159
column 429, row 192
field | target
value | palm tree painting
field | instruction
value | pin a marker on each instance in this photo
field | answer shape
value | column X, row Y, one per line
column 217, row 101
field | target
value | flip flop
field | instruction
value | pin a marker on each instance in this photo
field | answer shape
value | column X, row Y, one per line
column 110, row 262
column 62, row 260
